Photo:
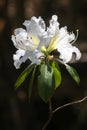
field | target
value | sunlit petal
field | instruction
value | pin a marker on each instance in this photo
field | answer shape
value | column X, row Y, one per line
column 54, row 25
column 35, row 26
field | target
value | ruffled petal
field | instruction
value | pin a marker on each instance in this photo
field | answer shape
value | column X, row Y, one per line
column 17, row 58
column 14, row 41
column 21, row 56
column 66, row 53
column 21, row 32
column 64, row 35
column 21, row 40
column 54, row 25
column 35, row 26
column 36, row 57
column 77, row 52
column 45, row 39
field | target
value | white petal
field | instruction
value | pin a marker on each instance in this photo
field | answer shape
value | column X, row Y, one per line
column 77, row 52
column 21, row 34
column 63, row 33
column 18, row 54
column 14, row 41
column 64, row 38
column 19, row 31
column 71, row 37
column 66, row 53
column 35, row 26
column 17, row 57
column 35, row 57
column 22, row 41
column 21, row 56
column 45, row 40
column 54, row 25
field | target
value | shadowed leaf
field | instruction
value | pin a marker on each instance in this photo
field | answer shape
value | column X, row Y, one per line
column 24, row 75
column 57, row 74
column 31, row 82
column 73, row 73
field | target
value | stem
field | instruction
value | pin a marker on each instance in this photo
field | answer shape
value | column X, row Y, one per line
column 51, row 112
column 69, row 104
column 50, row 115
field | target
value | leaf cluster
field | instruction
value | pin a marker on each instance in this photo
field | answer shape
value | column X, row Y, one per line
column 49, row 78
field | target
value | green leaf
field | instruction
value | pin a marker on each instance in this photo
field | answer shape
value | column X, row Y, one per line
column 57, row 74
column 73, row 73
column 31, row 82
column 46, row 82
column 24, row 75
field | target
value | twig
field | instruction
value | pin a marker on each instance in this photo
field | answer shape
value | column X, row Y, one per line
column 51, row 112
column 69, row 104
column 50, row 116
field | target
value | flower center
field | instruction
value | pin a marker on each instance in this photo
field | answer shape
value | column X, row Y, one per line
column 34, row 40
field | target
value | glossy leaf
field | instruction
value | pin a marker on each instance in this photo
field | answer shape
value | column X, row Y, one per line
column 73, row 73
column 46, row 82
column 24, row 75
column 57, row 74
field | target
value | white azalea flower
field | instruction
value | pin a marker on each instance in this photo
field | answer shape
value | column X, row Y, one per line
column 30, row 41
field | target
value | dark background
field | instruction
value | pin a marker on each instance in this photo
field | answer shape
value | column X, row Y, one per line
column 16, row 112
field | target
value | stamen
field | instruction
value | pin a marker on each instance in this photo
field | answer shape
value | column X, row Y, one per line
column 76, row 36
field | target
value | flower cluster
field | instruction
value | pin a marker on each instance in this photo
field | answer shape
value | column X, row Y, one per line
column 37, row 41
